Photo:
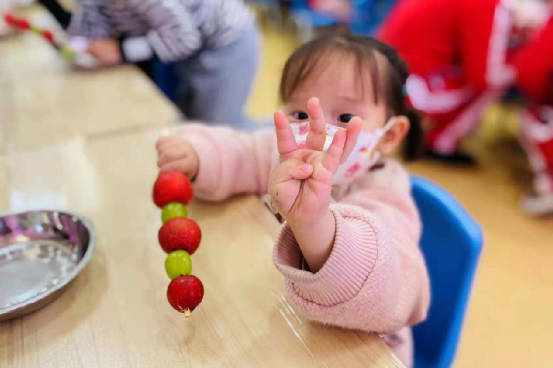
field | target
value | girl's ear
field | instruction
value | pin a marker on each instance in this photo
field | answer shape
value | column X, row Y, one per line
column 393, row 137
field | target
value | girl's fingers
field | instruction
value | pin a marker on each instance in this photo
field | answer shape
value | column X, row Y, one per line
column 167, row 142
column 286, row 142
column 333, row 156
column 170, row 156
column 163, row 142
column 185, row 166
column 352, row 134
column 172, row 166
column 317, row 126
column 291, row 169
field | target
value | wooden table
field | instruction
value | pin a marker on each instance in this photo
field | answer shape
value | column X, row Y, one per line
column 85, row 143
column 43, row 101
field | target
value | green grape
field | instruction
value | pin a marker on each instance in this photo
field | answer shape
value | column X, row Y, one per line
column 172, row 210
column 178, row 263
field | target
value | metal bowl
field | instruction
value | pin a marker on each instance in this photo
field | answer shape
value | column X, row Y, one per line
column 41, row 252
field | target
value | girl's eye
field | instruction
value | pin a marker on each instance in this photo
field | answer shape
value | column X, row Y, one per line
column 300, row 115
column 345, row 118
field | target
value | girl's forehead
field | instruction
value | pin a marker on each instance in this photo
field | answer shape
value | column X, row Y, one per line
column 337, row 77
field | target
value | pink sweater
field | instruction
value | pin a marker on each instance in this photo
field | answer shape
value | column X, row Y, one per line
column 375, row 278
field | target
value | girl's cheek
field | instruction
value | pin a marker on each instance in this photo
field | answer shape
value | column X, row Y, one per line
column 371, row 125
column 339, row 124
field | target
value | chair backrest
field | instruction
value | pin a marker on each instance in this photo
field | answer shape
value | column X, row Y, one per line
column 451, row 244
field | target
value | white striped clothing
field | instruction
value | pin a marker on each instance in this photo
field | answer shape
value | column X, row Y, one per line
column 174, row 29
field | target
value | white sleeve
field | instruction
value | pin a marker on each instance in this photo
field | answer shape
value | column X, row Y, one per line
column 173, row 34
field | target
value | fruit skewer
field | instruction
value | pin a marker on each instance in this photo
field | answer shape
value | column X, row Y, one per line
column 180, row 237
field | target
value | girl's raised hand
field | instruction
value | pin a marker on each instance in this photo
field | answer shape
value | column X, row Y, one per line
column 300, row 187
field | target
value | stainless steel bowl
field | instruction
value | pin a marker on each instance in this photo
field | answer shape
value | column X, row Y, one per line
column 41, row 252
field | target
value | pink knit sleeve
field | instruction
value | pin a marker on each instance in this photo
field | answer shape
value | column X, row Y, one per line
column 375, row 278
column 230, row 162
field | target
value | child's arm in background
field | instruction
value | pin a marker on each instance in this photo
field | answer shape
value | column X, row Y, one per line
column 228, row 162
column 172, row 35
column 375, row 278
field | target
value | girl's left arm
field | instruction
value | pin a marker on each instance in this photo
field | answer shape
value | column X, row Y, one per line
column 230, row 162
column 375, row 278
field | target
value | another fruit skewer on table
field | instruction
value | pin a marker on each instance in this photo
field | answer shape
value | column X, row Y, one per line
column 24, row 25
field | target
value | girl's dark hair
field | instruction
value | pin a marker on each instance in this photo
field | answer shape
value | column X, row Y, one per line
column 367, row 51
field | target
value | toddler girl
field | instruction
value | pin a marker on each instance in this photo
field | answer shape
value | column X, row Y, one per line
column 349, row 248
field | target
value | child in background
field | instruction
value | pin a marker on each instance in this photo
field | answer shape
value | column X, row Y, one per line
column 349, row 249
column 464, row 55
column 214, row 43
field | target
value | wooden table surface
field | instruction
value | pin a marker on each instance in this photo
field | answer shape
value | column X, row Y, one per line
column 84, row 142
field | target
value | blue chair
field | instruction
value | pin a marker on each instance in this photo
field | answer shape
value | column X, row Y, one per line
column 451, row 244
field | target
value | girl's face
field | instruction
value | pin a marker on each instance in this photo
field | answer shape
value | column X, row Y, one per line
column 342, row 95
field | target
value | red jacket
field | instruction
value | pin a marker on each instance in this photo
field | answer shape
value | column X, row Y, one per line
column 469, row 39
